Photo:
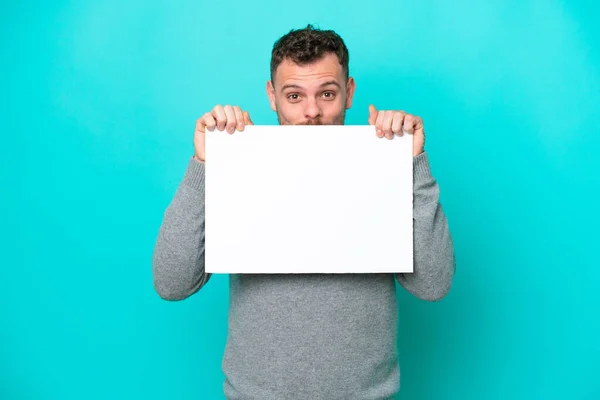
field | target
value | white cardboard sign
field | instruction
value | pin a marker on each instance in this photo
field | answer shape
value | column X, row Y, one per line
column 308, row 199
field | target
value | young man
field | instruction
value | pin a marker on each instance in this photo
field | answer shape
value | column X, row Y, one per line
column 308, row 336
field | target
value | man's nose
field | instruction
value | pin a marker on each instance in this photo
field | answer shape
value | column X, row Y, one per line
column 312, row 110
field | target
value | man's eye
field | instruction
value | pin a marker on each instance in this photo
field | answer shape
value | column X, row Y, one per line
column 328, row 94
column 293, row 96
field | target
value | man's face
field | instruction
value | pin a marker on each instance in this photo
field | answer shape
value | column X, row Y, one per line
column 313, row 94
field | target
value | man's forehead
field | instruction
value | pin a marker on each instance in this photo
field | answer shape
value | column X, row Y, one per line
column 327, row 69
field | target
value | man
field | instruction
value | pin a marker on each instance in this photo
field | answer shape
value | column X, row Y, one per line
column 308, row 336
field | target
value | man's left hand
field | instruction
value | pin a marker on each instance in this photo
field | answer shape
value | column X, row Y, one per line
column 393, row 122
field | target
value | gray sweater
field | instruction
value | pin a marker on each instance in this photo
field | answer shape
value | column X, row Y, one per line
column 307, row 336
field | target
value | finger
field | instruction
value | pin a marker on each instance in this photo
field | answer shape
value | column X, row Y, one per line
column 209, row 121
column 247, row 119
column 386, row 126
column 397, row 123
column 409, row 124
column 379, row 122
column 239, row 117
column 200, row 125
column 418, row 125
column 372, row 114
column 199, row 137
column 231, row 122
column 218, row 114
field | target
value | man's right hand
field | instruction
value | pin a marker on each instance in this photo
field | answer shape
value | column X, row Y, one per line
column 228, row 117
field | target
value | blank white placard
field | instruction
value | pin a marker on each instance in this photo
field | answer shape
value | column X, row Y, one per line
column 308, row 199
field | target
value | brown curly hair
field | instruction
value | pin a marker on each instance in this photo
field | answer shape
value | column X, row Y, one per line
column 307, row 45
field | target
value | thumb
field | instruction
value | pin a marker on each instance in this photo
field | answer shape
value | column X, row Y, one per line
column 247, row 120
column 372, row 114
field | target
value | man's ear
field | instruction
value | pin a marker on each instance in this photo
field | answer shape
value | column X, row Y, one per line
column 271, row 95
column 350, row 87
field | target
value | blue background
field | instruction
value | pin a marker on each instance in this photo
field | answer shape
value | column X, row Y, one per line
column 99, row 102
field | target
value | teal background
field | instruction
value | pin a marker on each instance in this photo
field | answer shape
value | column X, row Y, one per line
column 99, row 102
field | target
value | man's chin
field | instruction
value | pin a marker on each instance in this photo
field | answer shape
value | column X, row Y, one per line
column 321, row 123
column 311, row 123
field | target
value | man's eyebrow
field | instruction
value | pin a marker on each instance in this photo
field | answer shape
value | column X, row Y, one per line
column 294, row 86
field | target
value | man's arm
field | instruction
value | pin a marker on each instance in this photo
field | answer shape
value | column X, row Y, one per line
column 178, row 259
column 434, row 260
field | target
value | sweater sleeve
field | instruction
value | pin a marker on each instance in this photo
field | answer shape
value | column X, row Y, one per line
column 434, row 259
column 178, row 258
